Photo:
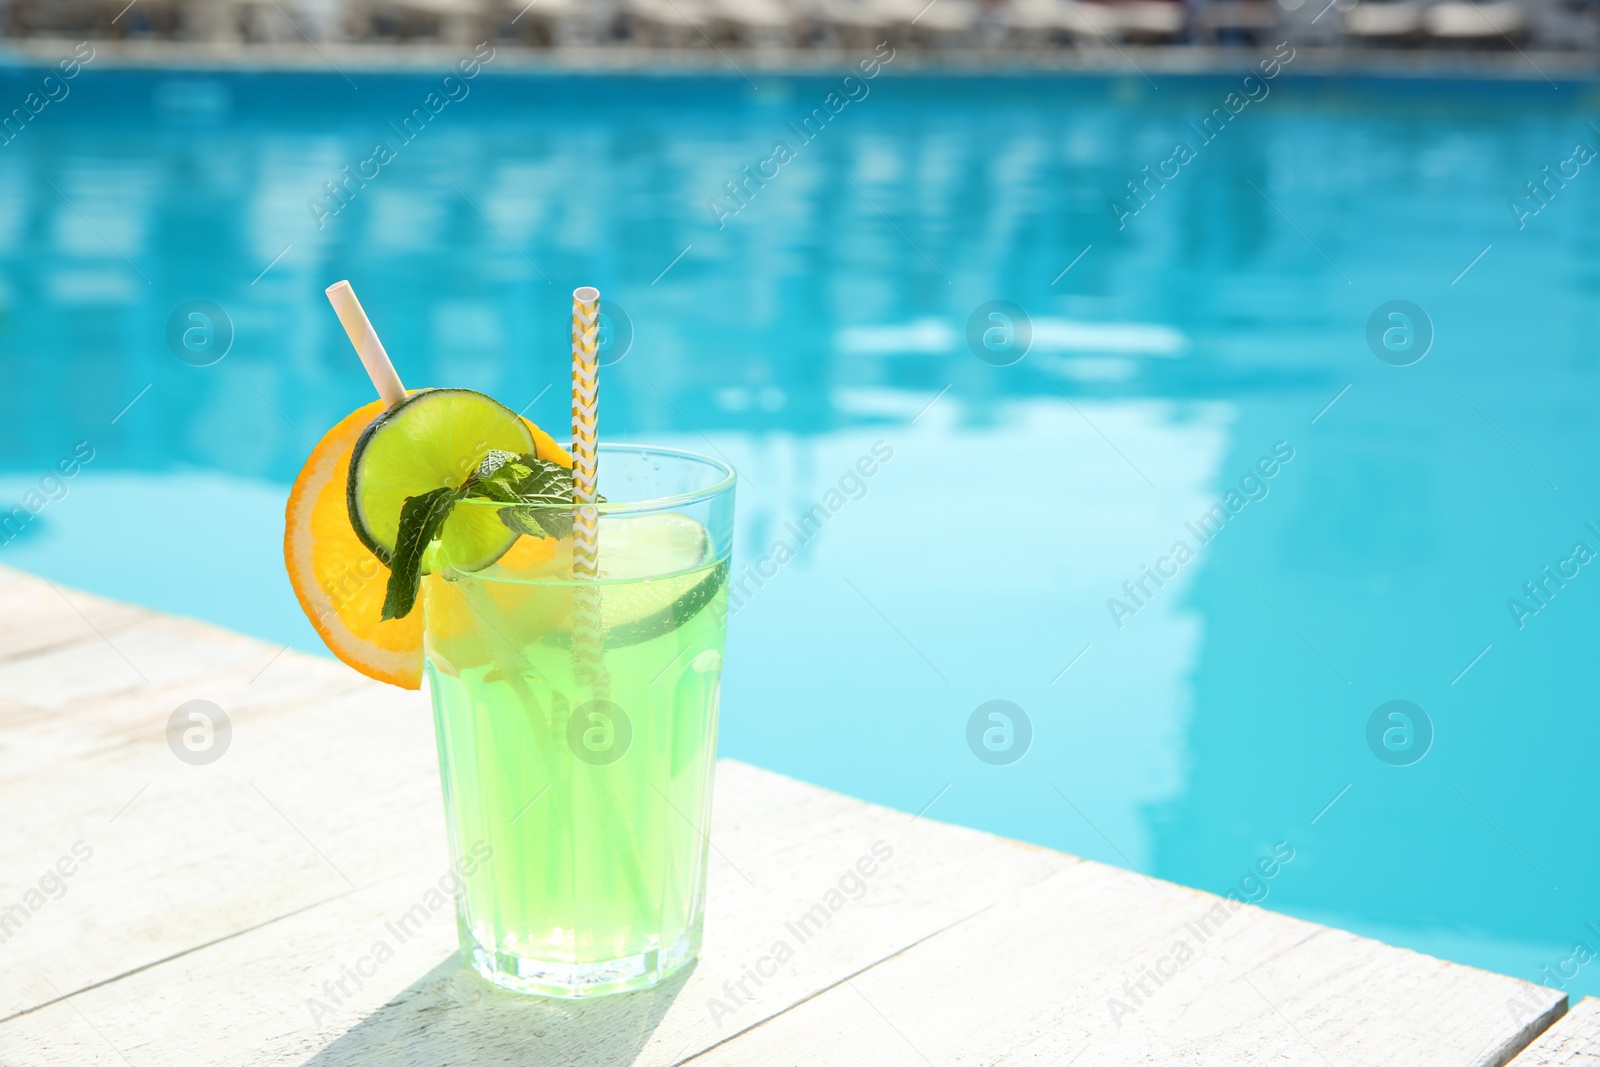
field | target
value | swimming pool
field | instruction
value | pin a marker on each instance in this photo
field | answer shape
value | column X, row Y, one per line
column 1202, row 368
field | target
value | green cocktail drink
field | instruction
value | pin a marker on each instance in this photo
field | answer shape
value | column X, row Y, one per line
column 576, row 728
column 572, row 643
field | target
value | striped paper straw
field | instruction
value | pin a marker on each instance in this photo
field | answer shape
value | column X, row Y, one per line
column 585, row 414
column 587, row 618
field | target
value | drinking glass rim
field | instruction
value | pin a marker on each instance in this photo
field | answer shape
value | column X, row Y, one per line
column 723, row 484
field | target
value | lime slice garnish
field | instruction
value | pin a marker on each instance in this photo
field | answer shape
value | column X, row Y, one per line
column 650, row 546
column 624, row 627
column 656, row 572
column 433, row 440
column 649, row 564
column 660, row 574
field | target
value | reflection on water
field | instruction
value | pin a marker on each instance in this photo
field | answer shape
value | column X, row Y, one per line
column 1190, row 709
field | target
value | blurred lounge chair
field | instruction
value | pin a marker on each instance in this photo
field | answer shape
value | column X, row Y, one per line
column 1037, row 23
column 282, row 22
column 1494, row 24
column 948, row 22
column 1132, row 21
column 91, row 18
column 1395, row 22
column 212, row 20
column 548, row 22
column 668, row 23
column 864, row 23
column 160, row 18
column 1152, row 21
column 1244, row 21
column 755, row 23
column 455, row 21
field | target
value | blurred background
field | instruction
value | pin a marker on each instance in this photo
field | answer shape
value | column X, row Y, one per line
column 1004, row 32
column 1087, row 270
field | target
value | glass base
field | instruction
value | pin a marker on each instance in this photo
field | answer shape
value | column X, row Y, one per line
column 571, row 981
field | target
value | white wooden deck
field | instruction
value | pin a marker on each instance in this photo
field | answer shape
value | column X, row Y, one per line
column 1574, row 1040
column 221, row 907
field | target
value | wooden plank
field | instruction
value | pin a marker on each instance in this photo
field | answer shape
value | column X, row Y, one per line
column 245, row 1000
column 224, row 908
column 1574, row 1041
column 1053, row 977
column 309, row 799
column 331, row 784
column 46, row 616
column 82, row 699
column 177, row 852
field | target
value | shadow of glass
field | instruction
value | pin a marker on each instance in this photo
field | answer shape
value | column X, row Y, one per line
column 450, row 1015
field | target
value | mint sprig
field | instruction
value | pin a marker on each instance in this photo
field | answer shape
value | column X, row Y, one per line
column 528, row 485
column 421, row 519
column 540, row 487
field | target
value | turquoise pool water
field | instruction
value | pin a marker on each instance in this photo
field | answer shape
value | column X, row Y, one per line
column 1218, row 333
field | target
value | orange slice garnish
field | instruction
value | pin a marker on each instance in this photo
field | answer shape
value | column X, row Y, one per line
column 339, row 582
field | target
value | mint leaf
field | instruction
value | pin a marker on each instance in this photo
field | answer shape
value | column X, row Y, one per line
column 538, row 521
column 493, row 460
column 503, row 476
column 421, row 519
column 547, row 480
column 541, row 480
column 539, row 495
column 543, row 487
column 493, row 489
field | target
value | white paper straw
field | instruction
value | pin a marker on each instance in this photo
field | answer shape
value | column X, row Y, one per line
column 359, row 329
